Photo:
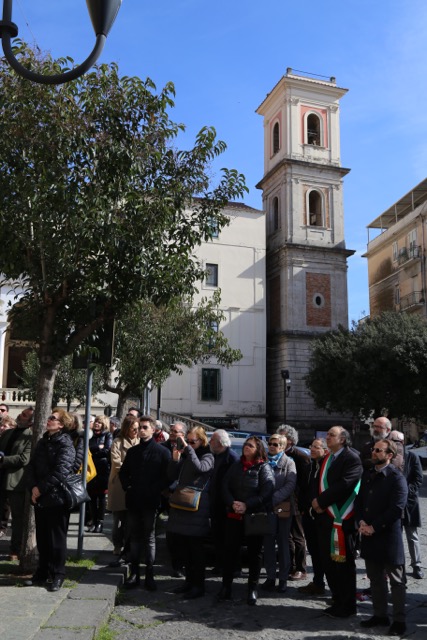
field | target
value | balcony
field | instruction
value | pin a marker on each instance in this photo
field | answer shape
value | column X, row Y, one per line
column 414, row 299
column 406, row 255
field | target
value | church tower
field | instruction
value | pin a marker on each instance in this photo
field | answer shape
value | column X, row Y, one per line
column 306, row 258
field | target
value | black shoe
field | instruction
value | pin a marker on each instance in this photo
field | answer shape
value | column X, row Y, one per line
column 56, row 584
column 150, row 583
column 99, row 528
column 252, row 596
column 195, row 592
column 120, row 562
column 397, row 629
column 337, row 612
column 375, row 621
column 224, row 593
column 183, row 588
column 418, row 573
column 37, row 580
column 268, row 585
column 282, row 587
column 132, row 582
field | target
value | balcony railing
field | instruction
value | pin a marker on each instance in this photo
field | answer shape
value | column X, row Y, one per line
column 408, row 254
column 414, row 299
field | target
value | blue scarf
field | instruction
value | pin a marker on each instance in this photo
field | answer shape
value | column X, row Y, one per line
column 273, row 460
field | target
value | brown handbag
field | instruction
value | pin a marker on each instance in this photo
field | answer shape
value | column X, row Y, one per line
column 283, row 509
column 185, row 498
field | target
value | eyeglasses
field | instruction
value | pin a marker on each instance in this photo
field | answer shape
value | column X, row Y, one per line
column 274, row 444
column 251, row 446
column 377, row 450
column 53, row 418
column 175, row 431
column 193, row 441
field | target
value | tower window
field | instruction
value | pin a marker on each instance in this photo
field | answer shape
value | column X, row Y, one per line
column 276, row 138
column 315, row 209
column 313, row 130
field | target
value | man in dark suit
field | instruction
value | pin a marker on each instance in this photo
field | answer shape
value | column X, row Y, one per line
column 379, row 507
column 339, row 479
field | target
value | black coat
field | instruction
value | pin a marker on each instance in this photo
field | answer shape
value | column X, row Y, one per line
column 78, row 438
column 143, row 475
column 100, row 448
column 381, row 503
column 254, row 487
column 223, row 461
column 413, row 473
column 51, row 463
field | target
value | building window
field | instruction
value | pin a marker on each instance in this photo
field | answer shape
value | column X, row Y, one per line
column 276, row 138
column 315, row 216
column 212, row 334
column 313, row 130
column 211, row 385
column 213, row 224
column 395, row 251
column 275, row 215
column 212, row 275
column 397, row 295
column 412, row 244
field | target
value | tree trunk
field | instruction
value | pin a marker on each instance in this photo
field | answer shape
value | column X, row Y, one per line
column 47, row 374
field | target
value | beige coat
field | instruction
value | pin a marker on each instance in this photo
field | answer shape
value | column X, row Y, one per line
column 116, row 495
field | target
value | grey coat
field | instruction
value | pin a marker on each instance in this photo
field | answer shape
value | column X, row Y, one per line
column 193, row 469
column 285, row 476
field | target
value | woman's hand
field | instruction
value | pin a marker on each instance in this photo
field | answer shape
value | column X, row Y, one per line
column 176, row 455
column 35, row 494
column 239, row 507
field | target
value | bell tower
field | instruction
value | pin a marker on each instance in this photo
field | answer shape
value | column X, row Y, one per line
column 306, row 258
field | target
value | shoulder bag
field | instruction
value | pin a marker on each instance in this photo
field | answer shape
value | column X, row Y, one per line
column 75, row 493
column 283, row 509
column 258, row 524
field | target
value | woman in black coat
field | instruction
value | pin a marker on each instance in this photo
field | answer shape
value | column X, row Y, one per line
column 191, row 465
column 51, row 463
column 100, row 448
column 248, row 488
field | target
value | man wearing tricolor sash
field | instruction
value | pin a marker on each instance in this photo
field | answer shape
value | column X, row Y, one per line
column 339, row 482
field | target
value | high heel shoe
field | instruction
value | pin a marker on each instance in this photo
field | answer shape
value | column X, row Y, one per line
column 252, row 596
column 99, row 528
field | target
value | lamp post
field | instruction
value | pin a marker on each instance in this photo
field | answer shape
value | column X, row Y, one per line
column 102, row 14
column 286, row 389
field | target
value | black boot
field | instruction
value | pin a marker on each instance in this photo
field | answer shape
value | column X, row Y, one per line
column 224, row 593
column 133, row 581
column 149, row 581
column 252, row 594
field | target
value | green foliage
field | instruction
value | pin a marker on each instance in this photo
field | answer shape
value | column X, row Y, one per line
column 154, row 340
column 105, row 633
column 70, row 384
column 378, row 364
column 97, row 205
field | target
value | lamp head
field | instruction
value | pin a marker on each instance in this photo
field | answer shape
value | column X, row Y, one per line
column 102, row 14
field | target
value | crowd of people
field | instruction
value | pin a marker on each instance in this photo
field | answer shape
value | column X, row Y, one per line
column 274, row 500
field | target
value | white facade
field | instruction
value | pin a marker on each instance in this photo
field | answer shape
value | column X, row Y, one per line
column 239, row 254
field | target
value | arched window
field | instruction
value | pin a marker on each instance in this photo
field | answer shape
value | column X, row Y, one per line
column 313, row 130
column 276, row 138
column 315, row 214
column 275, row 214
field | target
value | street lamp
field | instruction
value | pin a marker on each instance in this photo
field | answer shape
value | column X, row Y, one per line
column 102, row 14
column 286, row 390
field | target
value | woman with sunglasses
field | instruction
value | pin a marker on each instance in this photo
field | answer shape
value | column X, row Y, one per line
column 191, row 465
column 285, row 475
column 248, row 488
column 50, row 465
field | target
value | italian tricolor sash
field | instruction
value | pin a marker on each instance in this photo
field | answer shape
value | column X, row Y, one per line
column 338, row 553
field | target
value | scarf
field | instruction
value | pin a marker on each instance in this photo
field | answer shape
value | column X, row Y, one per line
column 247, row 464
column 338, row 553
column 273, row 460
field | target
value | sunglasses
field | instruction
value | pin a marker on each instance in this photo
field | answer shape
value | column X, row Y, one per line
column 193, row 441
column 274, row 444
column 251, row 446
column 377, row 450
column 53, row 418
column 3, row 410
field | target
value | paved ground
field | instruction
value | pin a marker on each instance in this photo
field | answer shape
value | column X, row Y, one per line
column 78, row 610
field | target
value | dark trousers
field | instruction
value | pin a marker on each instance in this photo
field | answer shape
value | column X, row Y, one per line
column 193, row 556
column 341, row 576
column 97, row 505
column 142, row 538
column 51, row 537
column 176, row 552
column 234, row 538
column 297, row 546
column 310, row 531
column 16, row 501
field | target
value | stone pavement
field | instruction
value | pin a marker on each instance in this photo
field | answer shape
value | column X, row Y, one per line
column 78, row 610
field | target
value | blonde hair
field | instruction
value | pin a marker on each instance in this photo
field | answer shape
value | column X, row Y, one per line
column 200, row 433
column 65, row 418
column 105, row 421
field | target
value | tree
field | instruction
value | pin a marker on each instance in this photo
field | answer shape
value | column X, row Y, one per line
column 377, row 364
column 70, row 384
column 97, row 205
column 154, row 340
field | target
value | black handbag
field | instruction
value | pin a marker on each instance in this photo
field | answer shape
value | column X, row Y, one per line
column 258, row 524
column 75, row 493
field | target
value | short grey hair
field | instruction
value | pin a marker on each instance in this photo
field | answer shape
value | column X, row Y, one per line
column 182, row 425
column 289, row 432
column 224, row 437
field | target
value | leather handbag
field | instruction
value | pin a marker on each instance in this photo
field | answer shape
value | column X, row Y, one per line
column 75, row 493
column 185, row 498
column 283, row 509
column 258, row 524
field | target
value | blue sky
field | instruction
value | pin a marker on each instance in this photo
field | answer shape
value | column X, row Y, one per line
column 225, row 56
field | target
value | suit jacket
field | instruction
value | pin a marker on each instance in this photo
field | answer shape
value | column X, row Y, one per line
column 381, row 503
column 13, row 465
